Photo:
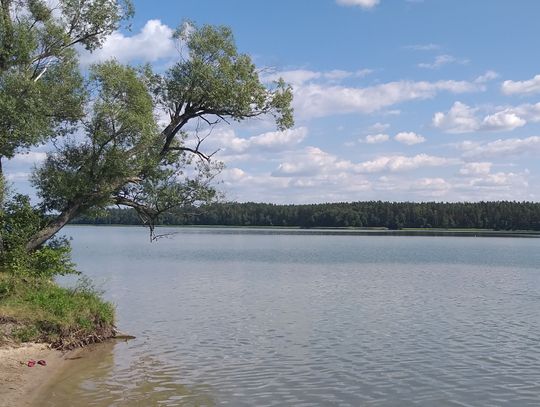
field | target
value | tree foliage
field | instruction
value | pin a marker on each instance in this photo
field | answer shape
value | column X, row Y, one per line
column 128, row 140
column 41, row 88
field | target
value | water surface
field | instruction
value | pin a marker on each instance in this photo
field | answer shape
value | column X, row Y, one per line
column 238, row 317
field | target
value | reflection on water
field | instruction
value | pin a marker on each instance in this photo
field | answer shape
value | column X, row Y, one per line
column 247, row 319
column 103, row 380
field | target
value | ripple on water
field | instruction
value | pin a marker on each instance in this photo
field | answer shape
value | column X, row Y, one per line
column 270, row 321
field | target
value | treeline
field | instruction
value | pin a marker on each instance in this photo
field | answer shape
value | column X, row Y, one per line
column 501, row 215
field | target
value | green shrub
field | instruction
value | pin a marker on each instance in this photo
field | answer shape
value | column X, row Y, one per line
column 65, row 317
column 19, row 222
column 29, row 297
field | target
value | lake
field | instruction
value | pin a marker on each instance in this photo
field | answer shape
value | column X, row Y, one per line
column 259, row 317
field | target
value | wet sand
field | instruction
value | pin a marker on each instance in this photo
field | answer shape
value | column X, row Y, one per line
column 21, row 385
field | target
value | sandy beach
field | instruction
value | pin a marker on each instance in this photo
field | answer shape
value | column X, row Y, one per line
column 21, row 385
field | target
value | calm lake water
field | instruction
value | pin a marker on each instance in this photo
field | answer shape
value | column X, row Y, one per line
column 237, row 317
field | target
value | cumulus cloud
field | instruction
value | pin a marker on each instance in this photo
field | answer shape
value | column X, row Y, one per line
column 424, row 187
column 294, row 77
column 242, row 185
column 462, row 118
column 376, row 138
column 401, row 163
column 433, row 187
column 152, row 43
column 17, row 176
column 315, row 100
column 230, row 143
column 476, row 168
column 301, row 76
column 312, row 161
column 378, row 127
column 279, row 139
column 409, row 138
column 361, row 3
column 19, row 168
column 488, row 76
column 321, row 187
column 309, row 162
column 441, row 60
column 494, row 186
column 521, row 87
column 30, row 158
column 320, row 94
column 501, row 147
column 502, row 121
column 508, row 180
column 528, row 111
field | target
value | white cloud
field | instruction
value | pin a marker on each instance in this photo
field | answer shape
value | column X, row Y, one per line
column 376, row 138
column 314, row 161
column 227, row 140
column 409, row 138
column 488, row 76
column 361, row 3
column 301, row 76
column 314, row 100
column 378, row 127
column 494, row 186
column 294, row 77
column 441, row 60
column 476, row 168
column 462, row 118
column 279, row 139
column 403, row 163
column 19, row 168
column 337, row 75
column 502, row 121
column 423, row 47
column 479, row 177
column 528, row 111
column 521, row 87
column 309, row 162
column 501, row 147
column 432, row 187
column 154, row 42
column 474, row 186
column 17, row 176
column 233, row 174
column 500, row 179
column 422, row 187
column 242, row 185
column 30, row 158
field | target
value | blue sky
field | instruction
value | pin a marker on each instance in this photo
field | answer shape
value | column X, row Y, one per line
column 394, row 99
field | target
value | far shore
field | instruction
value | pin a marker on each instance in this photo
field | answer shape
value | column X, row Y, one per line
column 377, row 231
column 21, row 385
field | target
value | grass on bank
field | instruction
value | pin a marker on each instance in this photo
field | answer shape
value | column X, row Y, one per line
column 38, row 310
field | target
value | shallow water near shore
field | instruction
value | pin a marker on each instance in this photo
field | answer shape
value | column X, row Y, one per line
column 256, row 318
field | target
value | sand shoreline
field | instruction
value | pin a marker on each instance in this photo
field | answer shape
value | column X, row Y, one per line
column 21, row 385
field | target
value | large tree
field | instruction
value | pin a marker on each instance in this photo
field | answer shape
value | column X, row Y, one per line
column 133, row 146
column 41, row 89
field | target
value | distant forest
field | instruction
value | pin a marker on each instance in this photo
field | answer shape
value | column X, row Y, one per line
column 501, row 215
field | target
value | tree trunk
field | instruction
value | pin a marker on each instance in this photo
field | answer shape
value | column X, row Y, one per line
column 52, row 228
